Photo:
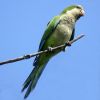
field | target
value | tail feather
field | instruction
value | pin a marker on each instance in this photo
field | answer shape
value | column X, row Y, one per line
column 28, row 80
column 32, row 80
column 30, row 88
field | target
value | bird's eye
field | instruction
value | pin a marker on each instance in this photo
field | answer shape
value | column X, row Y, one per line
column 78, row 7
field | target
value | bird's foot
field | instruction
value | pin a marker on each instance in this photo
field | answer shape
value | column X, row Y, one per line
column 68, row 43
column 50, row 49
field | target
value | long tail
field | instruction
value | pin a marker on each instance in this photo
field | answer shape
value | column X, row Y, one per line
column 32, row 79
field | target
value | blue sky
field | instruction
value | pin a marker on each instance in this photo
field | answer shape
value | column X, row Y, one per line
column 72, row 75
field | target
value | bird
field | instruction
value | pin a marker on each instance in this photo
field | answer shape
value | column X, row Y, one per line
column 59, row 30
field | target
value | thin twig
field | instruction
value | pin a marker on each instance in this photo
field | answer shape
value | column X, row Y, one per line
column 40, row 52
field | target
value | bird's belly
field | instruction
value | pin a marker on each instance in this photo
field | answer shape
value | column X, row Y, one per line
column 60, row 36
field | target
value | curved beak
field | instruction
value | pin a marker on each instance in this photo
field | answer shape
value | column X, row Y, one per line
column 82, row 13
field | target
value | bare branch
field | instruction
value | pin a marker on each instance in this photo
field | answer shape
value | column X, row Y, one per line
column 41, row 52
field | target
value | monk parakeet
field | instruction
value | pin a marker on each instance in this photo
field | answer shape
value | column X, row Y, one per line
column 60, row 29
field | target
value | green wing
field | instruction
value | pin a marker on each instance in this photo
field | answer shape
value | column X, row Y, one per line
column 49, row 30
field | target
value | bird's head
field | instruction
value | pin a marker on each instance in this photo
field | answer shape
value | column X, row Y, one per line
column 76, row 10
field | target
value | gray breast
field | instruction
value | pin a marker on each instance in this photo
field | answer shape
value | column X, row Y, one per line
column 65, row 27
column 62, row 32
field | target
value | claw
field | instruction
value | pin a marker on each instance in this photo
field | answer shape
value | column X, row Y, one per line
column 68, row 44
column 50, row 49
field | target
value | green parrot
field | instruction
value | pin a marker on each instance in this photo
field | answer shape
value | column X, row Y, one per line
column 59, row 30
